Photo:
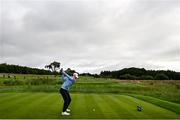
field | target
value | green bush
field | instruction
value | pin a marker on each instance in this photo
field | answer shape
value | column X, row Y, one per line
column 41, row 81
column 12, row 82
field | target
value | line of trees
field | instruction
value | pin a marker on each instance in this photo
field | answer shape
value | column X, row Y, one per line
column 141, row 74
column 6, row 68
column 126, row 73
column 53, row 69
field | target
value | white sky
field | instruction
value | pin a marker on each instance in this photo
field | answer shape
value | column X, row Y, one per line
column 91, row 35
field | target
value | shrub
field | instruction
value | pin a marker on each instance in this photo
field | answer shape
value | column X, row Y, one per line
column 41, row 81
column 13, row 82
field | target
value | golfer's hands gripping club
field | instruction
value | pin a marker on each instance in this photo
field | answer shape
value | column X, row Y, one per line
column 61, row 71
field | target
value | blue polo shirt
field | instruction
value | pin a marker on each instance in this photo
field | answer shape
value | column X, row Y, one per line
column 68, row 81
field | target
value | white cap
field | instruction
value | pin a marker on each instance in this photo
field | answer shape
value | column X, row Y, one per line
column 75, row 75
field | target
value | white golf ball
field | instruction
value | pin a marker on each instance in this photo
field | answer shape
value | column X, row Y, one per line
column 93, row 109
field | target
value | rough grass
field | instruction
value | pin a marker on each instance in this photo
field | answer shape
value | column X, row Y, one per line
column 112, row 106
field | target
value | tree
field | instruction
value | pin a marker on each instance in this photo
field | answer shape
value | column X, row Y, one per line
column 53, row 66
column 161, row 76
column 128, row 77
column 6, row 68
column 146, row 77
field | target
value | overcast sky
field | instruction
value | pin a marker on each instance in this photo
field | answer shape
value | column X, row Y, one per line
column 91, row 35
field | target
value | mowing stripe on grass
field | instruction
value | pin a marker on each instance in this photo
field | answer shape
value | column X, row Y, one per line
column 82, row 107
column 106, row 109
column 10, row 106
column 74, row 106
column 154, row 111
column 49, row 106
column 162, row 103
column 79, row 107
column 3, row 95
column 18, row 109
column 32, row 105
column 124, row 107
column 131, row 106
column 18, row 98
column 94, row 111
column 54, row 105
column 9, row 97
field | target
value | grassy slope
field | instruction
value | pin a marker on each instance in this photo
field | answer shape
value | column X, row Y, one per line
column 48, row 105
column 162, row 103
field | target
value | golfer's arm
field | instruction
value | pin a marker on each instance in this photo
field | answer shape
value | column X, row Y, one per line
column 67, row 75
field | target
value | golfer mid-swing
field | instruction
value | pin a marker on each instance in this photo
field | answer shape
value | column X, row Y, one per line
column 68, row 81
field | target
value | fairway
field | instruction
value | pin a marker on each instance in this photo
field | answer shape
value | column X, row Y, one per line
column 48, row 105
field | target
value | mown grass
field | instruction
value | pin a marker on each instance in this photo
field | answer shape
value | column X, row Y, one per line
column 49, row 105
column 37, row 96
column 162, row 89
